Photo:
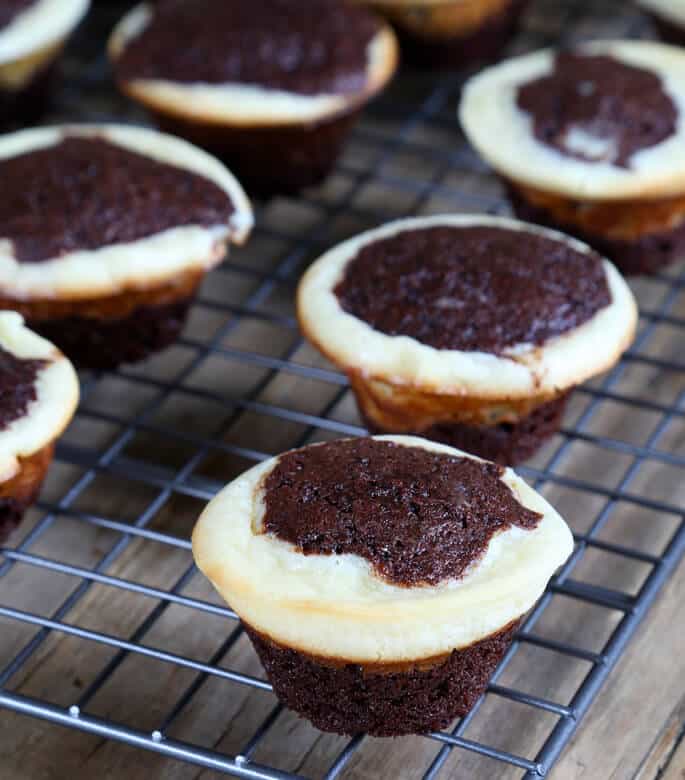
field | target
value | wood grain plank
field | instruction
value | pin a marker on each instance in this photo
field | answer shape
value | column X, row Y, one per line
column 636, row 705
column 667, row 754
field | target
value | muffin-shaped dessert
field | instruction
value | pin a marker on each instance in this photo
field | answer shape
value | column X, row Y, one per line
column 669, row 18
column 38, row 395
column 591, row 141
column 106, row 233
column 32, row 35
column 381, row 580
column 451, row 33
column 469, row 330
column 271, row 87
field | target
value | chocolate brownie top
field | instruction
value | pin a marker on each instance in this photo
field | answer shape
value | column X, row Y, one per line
column 9, row 9
column 419, row 517
column 87, row 193
column 623, row 108
column 473, row 288
column 17, row 386
column 308, row 47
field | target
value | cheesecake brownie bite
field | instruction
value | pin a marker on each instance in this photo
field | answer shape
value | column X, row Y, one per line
column 272, row 87
column 107, row 231
column 668, row 17
column 451, row 33
column 469, row 330
column 38, row 395
column 591, row 141
column 32, row 35
column 381, row 580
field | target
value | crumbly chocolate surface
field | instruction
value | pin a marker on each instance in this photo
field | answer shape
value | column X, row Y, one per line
column 303, row 46
column 10, row 9
column 353, row 699
column 418, row 517
column 473, row 288
column 87, row 193
column 17, row 386
column 622, row 108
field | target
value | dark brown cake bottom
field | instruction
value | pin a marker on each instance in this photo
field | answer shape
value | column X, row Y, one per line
column 11, row 513
column 270, row 160
column 647, row 254
column 104, row 344
column 18, row 493
column 101, row 333
column 383, row 702
column 668, row 31
column 506, row 443
column 483, row 45
column 21, row 107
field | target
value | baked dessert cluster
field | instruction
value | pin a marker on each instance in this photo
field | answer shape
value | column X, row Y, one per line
column 469, row 330
column 451, row 33
column 590, row 141
column 382, row 579
column 271, row 87
column 32, row 36
column 107, row 231
column 668, row 17
column 38, row 395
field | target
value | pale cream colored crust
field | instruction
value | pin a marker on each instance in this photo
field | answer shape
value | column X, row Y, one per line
column 670, row 10
column 57, row 392
column 42, row 25
column 502, row 133
column 336, row 606
column 245, row 105
column 146, row 263
column 525, row 371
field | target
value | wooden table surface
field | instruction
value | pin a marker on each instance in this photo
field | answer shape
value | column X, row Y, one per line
column 612, row 460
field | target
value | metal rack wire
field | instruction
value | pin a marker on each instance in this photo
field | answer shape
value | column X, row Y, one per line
column 406, row 157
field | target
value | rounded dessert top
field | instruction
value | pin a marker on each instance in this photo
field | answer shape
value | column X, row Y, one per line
column 417, row 549
column 90, row 209
column 27, row 26
column 310, row 47
column 272, row 62
column 418, row 517
column 601, row 122
column 597, row 108
column 485, row 288
column 38, row 393
column 85, row 193
column 515, row 337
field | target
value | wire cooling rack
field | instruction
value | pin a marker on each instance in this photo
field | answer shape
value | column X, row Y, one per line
column 107, row 628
